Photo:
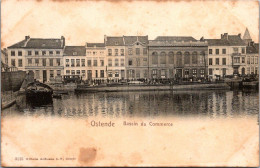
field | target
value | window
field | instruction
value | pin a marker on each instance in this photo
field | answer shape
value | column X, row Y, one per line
column 224, row 61
column 144, row 61
column 78, row 62
column 130, row 51
column 51, row 62
column 116, row 74
column 248, row 60
column 243, row 50
column 37, row 74
column 72, row 62
column 44, row 62
column 57, row 52
column 130, row 62
column 110, row 74
column 256, row 60
column 29, row 61
column 252, row 60
column 171, row 58
column 58, row 72
column 78, row 72
column 72, row 72
column 202, row 57
column 186, row 58
column 95, row 63
column 235, row 50
column 224, row 51
column 179, row 58
column 137, row 50
column 43, row 52
column 138, row 74
column 194, row 58
column 210, row 71
column 20, row 53
column 237, row 60
column 154, row 58
column 102, row 73
column 137, row 61
column 194, row 72
column 74, row 53
column 13, row 62
column 89, row 63
column 210, row 61
column 122, row 52
column 51, row 73
column 67, row 63
column 83, row 72
column 116, row 62
column 122, row 62
column 224, row 71
column 58, row 61
column 94, row 53
column 217, row 61
column 36, row 52
column 96, row 73
column 12, row 53
column 67, row 72
column 51, row 52
column 202, row 71
column 210, row 51
column 163, row 58
column 248, row 70
column 109, row 62
column 29, row 52
column 83, row 62
column 243, row 59
column 101, row 62
column 116, row 52
column 144, row 51
column 36, row 61
column 109, row 52
column 217, row 51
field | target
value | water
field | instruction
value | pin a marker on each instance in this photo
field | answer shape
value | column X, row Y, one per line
column 144, row 104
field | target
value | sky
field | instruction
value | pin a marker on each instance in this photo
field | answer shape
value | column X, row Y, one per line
column 88, row 21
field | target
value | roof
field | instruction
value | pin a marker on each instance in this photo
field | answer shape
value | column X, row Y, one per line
column 74, row 51
column 129, row 40
column 40, row 43
column 114, row 41
column 217, row 42
column 175, row 38
column 95, row 44
column 157, row 43
column 247, row 35
column 253, row 48
column 235, row 40
column 230, row 40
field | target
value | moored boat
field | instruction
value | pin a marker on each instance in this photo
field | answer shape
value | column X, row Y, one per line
column 39, row 92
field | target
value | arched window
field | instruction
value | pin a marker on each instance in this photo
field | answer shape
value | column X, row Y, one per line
column 194, row 57
column 171, row 58
column 162, row 58
column 186, row 58
column 202, row 57
column 179, row 58
column 154, row 58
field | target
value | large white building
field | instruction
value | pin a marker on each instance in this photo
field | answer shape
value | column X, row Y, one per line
column 74, row 59
column 226, row 56
column 42, row 56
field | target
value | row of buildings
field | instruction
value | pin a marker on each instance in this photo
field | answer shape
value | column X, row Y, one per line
column 136, row 57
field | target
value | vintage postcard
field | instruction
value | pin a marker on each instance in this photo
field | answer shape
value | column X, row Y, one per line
column 129, row 83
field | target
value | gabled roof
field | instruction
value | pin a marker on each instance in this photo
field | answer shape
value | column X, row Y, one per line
column 247, row 35
column 95, row 44
column 129, row 40
column 114, row 41
column 235, row 40
column 217, row 42
column 40, row 43
column 252, row 48
column 74, row 51
column 227, row 40
column 175, row 38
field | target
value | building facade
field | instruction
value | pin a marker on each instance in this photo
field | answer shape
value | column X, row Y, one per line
column 136, row 57
column 96, row 62
column 177, row 57
column 115, row 55
column 74, row 58
column 226, row 56
column 42, row 56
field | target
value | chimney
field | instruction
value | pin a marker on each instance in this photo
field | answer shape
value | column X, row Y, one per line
column 105, row 39
column 224, row 36
column 27, row 38
column 239, row 35
column 62, row 41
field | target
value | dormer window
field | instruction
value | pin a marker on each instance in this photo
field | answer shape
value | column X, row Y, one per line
column 74, row 53
column 116, row 43
column 43, row 45
column 137, row 43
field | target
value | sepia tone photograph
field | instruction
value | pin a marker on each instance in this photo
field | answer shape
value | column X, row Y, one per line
column 129, row 83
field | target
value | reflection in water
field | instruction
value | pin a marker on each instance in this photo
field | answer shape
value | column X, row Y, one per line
column 144, row 104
